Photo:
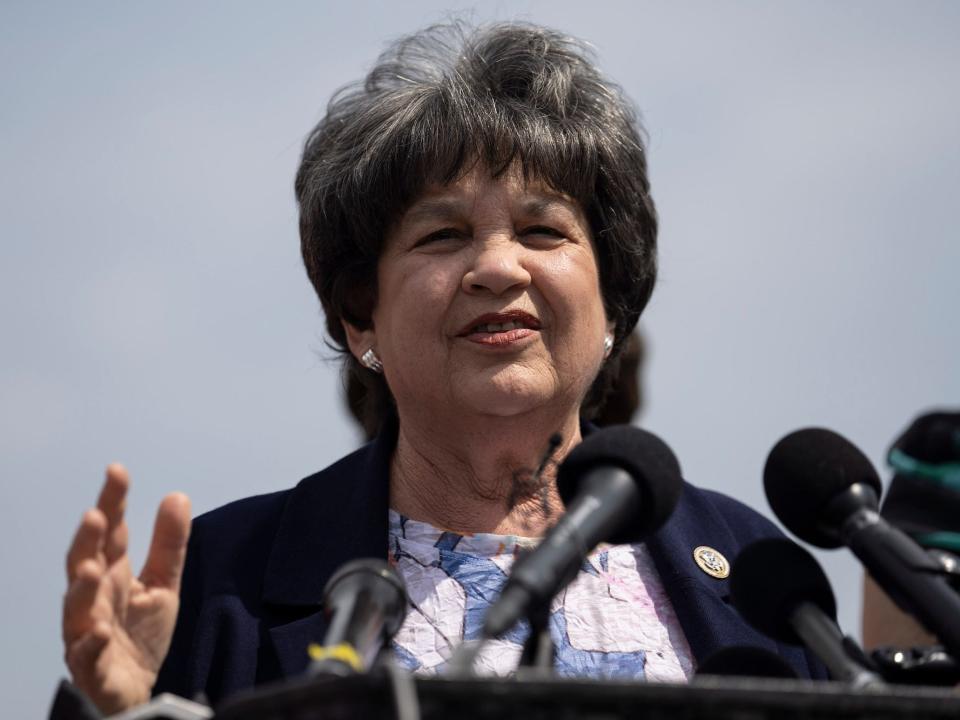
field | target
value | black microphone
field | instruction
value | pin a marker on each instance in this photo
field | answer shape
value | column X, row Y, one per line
column 618, row 485
column 782, row 591
column 826, row 492
column 366, row 602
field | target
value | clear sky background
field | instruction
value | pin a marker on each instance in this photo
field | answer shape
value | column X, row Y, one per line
column 805, row 158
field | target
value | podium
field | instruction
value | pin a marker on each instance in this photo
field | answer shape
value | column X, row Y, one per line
column 531, row 698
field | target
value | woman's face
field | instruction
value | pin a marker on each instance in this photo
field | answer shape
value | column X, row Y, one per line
column 488, row 300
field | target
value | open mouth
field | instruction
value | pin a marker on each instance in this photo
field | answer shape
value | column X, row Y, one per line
column 499, row 327
column 510, row 323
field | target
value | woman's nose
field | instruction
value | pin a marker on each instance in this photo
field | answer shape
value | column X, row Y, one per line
column 496, row 268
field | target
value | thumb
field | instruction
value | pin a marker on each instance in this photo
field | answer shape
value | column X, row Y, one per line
column 168, row 547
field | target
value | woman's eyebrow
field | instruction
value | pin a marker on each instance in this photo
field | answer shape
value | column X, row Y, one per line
column 452, row 209
column 538, row 207
column 433, row 209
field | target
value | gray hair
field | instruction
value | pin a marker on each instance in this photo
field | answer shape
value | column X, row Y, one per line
column 436, row 104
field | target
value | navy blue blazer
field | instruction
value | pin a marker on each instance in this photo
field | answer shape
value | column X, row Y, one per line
column 251, row 598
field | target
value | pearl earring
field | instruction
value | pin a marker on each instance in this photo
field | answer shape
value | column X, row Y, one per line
column 607, row 344
column 370, row 361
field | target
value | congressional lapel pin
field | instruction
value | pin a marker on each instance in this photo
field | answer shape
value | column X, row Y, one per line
column 711, row 561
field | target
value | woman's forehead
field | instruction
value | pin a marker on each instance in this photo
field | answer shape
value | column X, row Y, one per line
column 529, row 196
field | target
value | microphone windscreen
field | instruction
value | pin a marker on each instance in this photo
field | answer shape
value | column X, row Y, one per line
column 804, row 472
column 746, row 661
column 648, row 460
column 770, row 578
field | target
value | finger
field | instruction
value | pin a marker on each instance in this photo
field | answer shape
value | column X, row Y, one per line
column 87, row 541
column 78, row 603
column 112, row 503
column 168, row 548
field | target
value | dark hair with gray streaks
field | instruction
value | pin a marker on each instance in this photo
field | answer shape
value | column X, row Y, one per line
column 436, row 104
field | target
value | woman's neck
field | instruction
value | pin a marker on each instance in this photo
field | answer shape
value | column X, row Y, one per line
column 481, row 479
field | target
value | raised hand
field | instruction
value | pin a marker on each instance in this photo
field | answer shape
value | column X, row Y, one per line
column 117, row 628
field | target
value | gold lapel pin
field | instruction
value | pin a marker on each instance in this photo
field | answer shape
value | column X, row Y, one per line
column 711, row 561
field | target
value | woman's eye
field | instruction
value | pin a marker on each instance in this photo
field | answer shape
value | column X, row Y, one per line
column 535, row 231
column 440, row 235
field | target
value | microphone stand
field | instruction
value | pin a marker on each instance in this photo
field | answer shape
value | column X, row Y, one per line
column 538, row 649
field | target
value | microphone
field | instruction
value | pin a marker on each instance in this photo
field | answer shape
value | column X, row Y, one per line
column 782, row 591
column 618, row 485
column 826, row 492
column 366, row 602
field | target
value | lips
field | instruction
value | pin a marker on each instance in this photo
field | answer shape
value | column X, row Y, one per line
column 492, row 323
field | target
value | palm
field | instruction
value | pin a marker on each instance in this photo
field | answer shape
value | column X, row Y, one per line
column 117, row 628
column 142, row 624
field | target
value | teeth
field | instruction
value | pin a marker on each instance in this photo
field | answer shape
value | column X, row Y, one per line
column 499, row 327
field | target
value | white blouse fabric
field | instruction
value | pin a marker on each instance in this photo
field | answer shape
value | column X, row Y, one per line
column 613, row 621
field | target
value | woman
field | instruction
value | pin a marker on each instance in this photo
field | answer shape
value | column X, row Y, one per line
column 476, row 220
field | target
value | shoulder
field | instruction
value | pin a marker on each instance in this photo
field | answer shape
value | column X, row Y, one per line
column 711, row 519
column 745, row 522
column 239, row 527
column 229, row 546
column 234, row 547
column 258, row 516
column 233, row 540
column 246, row 515
column 705, row 518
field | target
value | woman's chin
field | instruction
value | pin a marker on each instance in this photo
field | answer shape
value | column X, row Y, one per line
column 504, row 396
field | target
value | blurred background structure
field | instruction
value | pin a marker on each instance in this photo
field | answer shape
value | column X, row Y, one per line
column 805, row 159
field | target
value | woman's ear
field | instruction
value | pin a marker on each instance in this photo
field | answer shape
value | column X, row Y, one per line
column 359, row 341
